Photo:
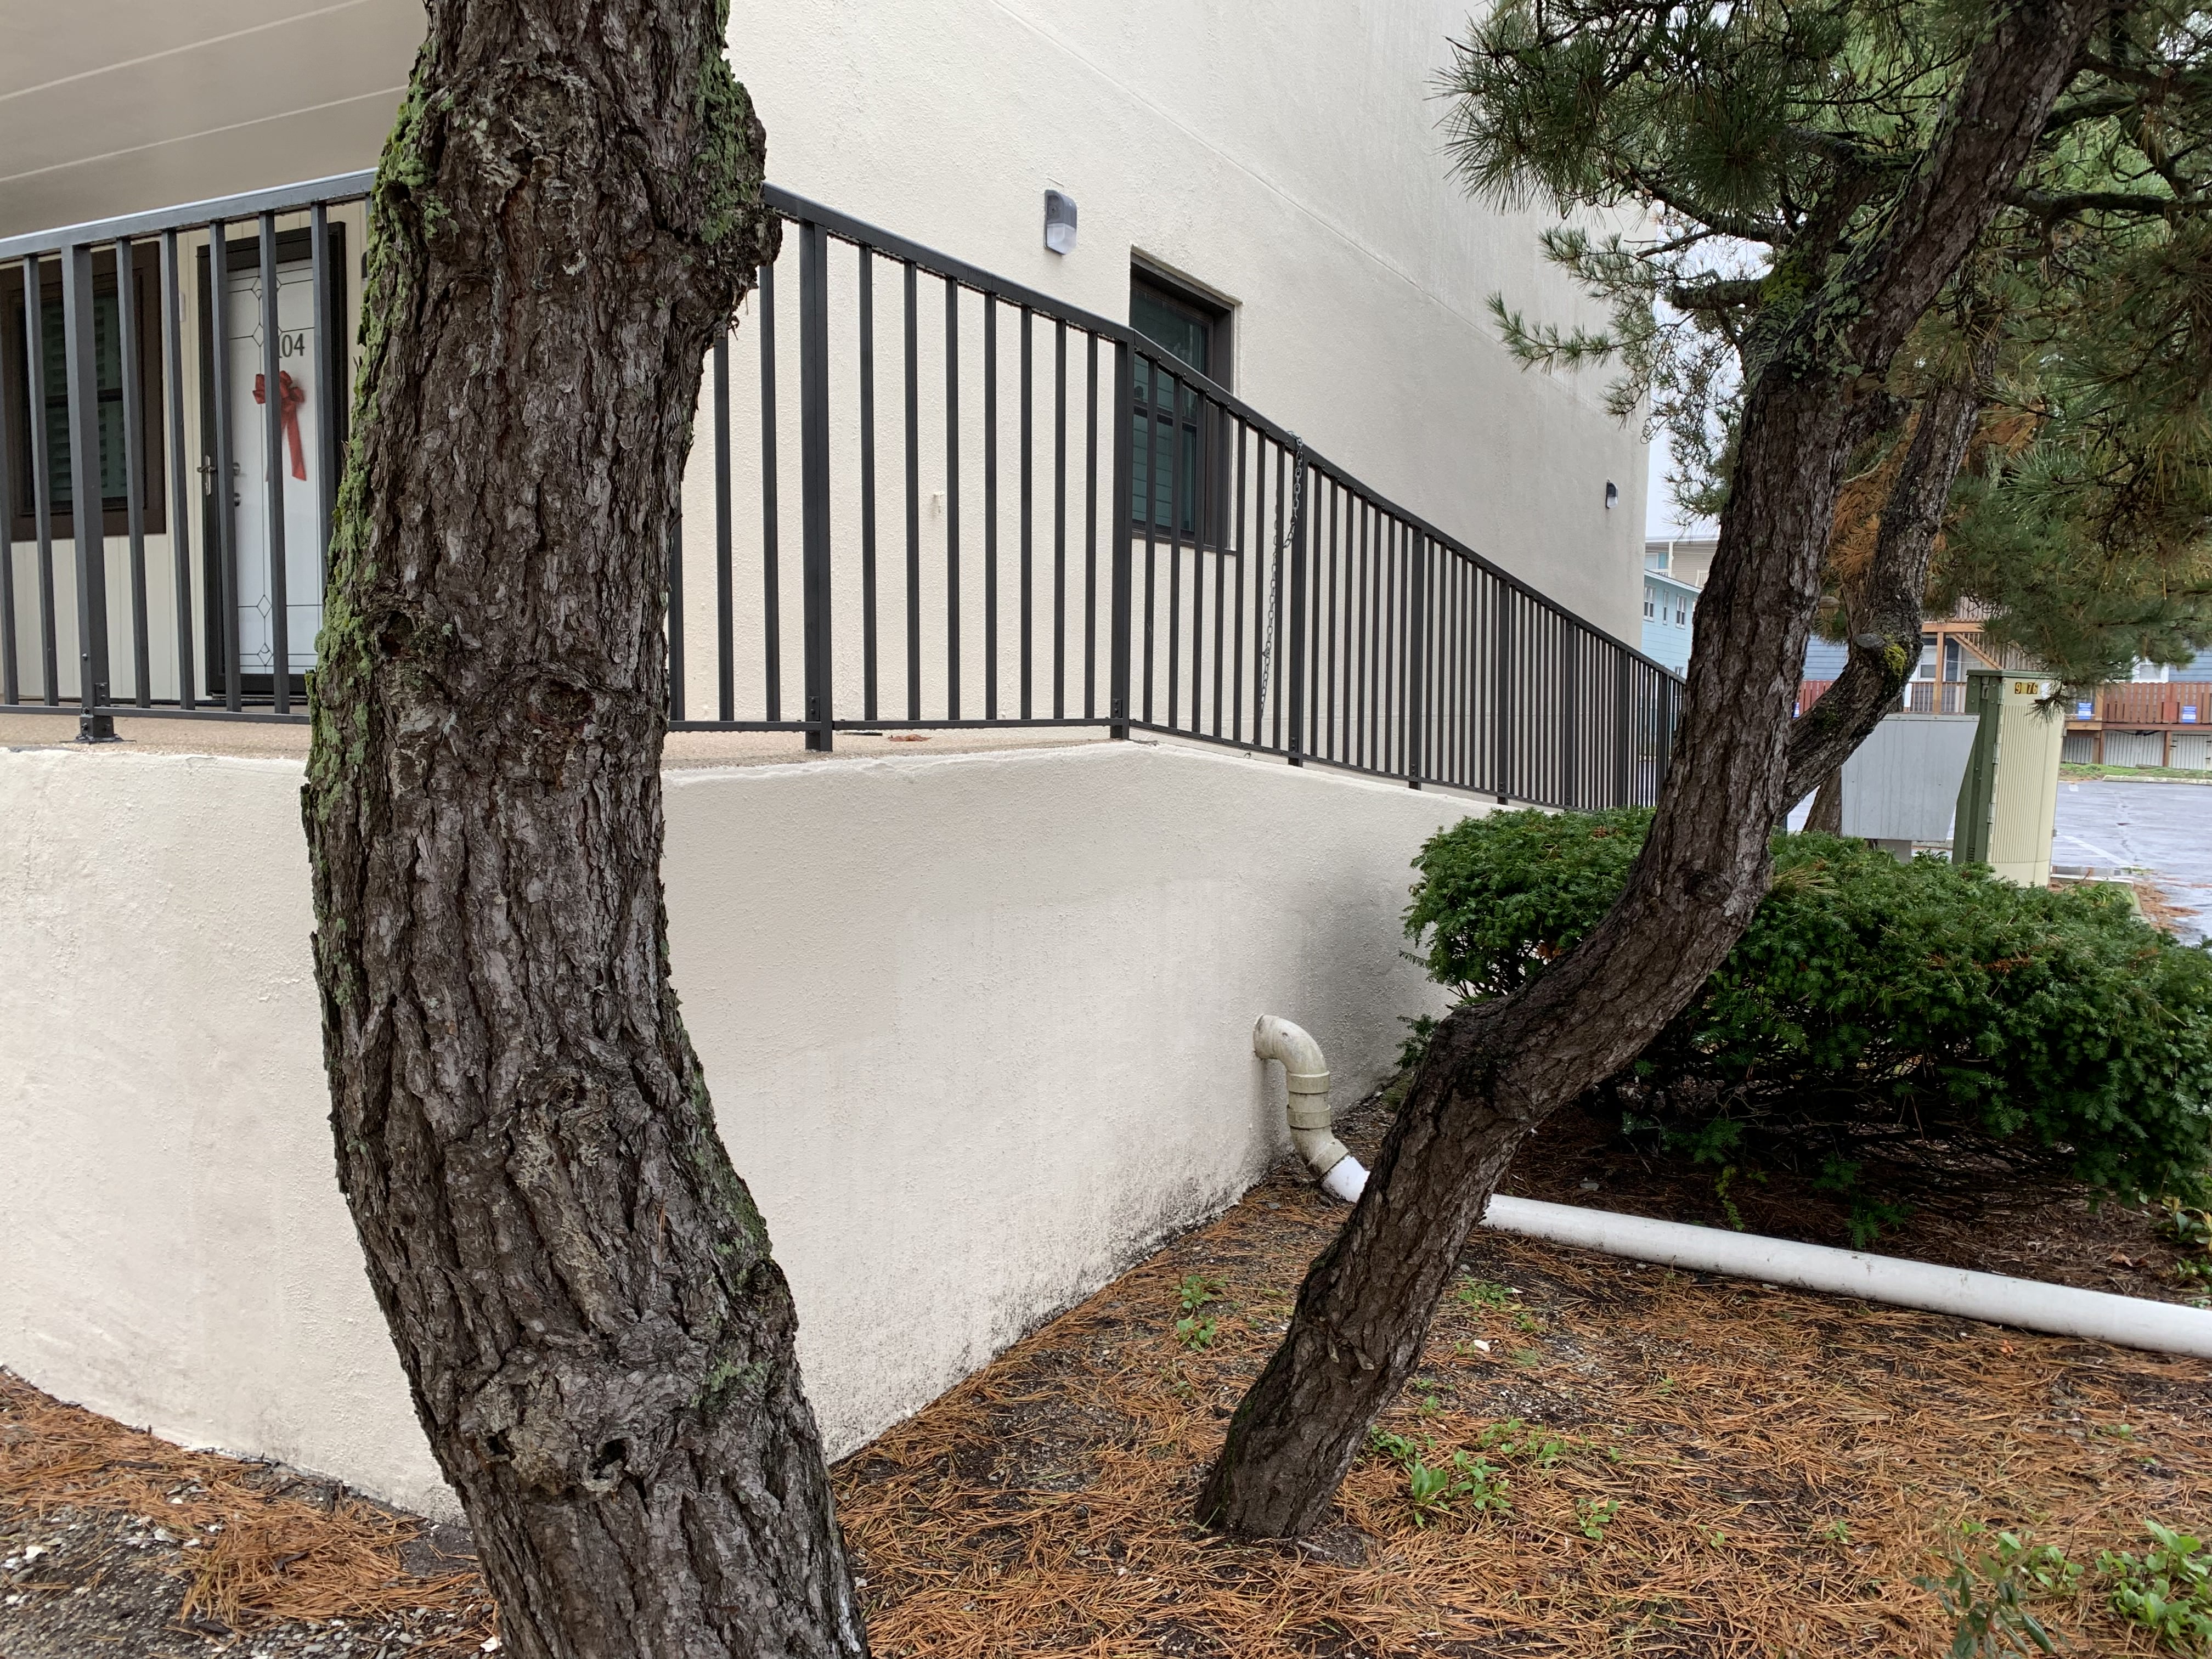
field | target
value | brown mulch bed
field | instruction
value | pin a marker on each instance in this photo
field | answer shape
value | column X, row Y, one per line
column 1694, row 1466
column 115, row 1542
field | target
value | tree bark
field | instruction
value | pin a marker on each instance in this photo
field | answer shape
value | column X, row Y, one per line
column 1495, row 1070
column 1883, row 608
column 579, row 1288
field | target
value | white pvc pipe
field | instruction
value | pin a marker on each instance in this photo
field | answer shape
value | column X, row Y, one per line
column 1993, row 1299
column 1306, row 1071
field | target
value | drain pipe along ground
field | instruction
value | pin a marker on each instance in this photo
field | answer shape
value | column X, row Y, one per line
column 2026, row 1304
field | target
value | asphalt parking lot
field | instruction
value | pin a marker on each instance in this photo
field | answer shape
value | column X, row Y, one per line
column 2164, row 829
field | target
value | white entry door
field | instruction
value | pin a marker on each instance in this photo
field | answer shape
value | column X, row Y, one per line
column 303, row 405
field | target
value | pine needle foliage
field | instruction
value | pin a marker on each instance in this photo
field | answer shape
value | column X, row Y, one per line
column 1718, row 162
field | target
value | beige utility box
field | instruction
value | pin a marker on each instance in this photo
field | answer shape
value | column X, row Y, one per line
column 2009, row 801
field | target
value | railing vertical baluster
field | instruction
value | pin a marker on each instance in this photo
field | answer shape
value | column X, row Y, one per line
column 771, row 555
column 1297, row 690
column 134, row 495
column 1502, row 745
column 1268, row 669
column 329, row 367
column 42, row 502
column 952, row 494
column 912, row 499
column 225, row 491
column 180, row 499
column 1244, row 564
column 1090, row 531
column 1624, row 664
column 1216, row 509
column 87, row 515
column 1331, row 746
column 1571, row 796
column 1152, row 371
column 1029, row 513
column 675, row 614
column 1201, row 521
column 1178, row 498
column 1123, row 484
column 1060, row 520
column 271, row 384
column 11, row 688
column 725, row 575
column 990, row 508
column 814, row 480
column 868, row 486
column 1417, row 665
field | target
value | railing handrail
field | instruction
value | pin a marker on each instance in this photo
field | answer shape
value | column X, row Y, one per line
column 278, row 198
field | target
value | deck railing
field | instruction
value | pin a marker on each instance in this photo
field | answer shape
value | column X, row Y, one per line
column 1009, row 512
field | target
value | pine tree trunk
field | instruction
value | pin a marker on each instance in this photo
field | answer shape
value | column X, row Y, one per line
column 580, row 1287
column 1495, row 1070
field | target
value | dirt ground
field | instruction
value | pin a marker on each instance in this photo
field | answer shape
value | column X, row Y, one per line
column 1667, row 1464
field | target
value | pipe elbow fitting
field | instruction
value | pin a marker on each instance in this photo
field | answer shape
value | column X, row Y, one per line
column 1305, row 1070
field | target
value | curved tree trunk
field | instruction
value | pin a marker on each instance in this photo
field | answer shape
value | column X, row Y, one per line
column 1884, row 611
column 579, row 1288
column 1496, row 1070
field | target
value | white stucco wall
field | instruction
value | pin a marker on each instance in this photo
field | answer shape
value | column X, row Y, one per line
column 977, row 1027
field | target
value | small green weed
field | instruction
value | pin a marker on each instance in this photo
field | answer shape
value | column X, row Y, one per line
column 1987, row 1593
column 1527, row 1357
column 1197, row 1290
column 1593, row 1516
column 1196, row 1334
column 1838, row 1532
column 1481, row 1293
column 1515, row 1438
column 2168, row 1592
column 1446, row 1486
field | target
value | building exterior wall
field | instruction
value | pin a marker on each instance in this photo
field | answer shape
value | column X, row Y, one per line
column 978, row 1030
column 1670, row 614
column 1289, row 163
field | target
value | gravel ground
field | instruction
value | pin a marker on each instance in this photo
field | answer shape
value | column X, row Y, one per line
column 74, row 1584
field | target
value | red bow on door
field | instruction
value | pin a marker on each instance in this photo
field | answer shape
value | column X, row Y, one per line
column 290, row 394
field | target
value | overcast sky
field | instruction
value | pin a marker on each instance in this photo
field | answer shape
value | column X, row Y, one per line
column 1663, row 520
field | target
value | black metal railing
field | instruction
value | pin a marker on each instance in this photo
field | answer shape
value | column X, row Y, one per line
column 1010, row 511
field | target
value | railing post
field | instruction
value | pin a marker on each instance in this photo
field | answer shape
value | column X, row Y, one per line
column 1501, row 713
column 88, row 510
column 1125, row 415
column 814, row 473
column 1294, row 689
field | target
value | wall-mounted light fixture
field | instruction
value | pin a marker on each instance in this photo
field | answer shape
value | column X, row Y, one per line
column 1611, row 494
column 1059, row 221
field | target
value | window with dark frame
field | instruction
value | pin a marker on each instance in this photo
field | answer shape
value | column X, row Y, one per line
column 1190, row 327
column 108, row 323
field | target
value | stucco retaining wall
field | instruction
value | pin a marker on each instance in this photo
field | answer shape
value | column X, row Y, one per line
column 977, row 1028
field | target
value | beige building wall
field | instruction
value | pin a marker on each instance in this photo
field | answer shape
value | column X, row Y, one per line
column 1286, row 159
column 978, row 1028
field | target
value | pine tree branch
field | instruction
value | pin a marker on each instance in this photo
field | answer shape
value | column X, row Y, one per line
column 2052, row 205
column 1716, row 294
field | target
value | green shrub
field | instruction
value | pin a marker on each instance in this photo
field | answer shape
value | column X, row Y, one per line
column 1869, row 999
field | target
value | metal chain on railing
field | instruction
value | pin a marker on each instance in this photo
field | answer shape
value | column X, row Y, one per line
column 1283, row 543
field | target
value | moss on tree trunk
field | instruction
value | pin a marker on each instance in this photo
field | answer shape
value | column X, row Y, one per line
column 579, row 1286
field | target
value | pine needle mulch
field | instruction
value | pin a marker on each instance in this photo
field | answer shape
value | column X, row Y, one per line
column 261, row 1546
column 1694, row 1467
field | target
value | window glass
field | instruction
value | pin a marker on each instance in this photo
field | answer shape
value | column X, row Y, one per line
column 1165, row 484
